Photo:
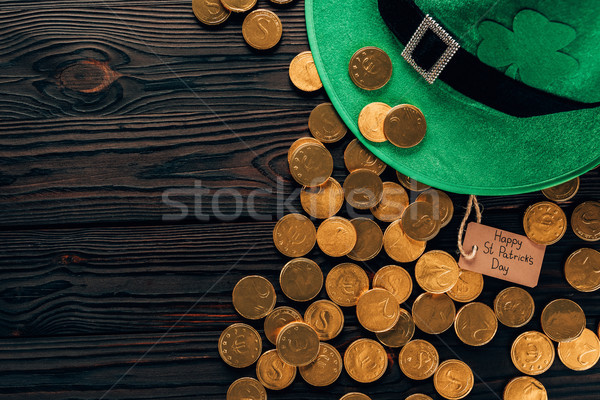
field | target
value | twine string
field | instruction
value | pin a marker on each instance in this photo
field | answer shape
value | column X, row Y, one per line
column 472, row 203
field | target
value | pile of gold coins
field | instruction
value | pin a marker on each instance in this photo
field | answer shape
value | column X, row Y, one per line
column 301, row 340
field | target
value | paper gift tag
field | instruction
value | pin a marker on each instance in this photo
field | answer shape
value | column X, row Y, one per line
column 503, row 255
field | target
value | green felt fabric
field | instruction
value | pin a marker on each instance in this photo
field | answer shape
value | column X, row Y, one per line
column 469, row 148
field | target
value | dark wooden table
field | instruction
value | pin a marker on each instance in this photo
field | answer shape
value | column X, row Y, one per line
column 110, row 107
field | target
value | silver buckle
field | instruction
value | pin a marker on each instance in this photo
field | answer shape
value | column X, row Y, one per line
column 429, row 23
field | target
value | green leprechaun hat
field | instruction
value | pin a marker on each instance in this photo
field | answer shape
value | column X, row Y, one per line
column 510, row 90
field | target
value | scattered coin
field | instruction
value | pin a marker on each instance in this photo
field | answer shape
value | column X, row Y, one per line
column 369, row 239
column 532, row 353
column 325, row 124
column 468, row 287
column 254, row 297
column 563, row 192
column 210, row 12
column 545, row 223
column 582, row 270
column 326, row 368
column 441, row 203
column 238, row 6
column 394, row 201
column 582, row 353
column 399, row 246
column 418, row 396
column 277, row 319
column 345, row 283
column 363, row 189
column 322, row 201
column 240, row 345
column 419, row 222
column 395, row 280
column 294, row 235
column 355, row 396
column 404, row 126
column 410, row 183
column 514, row 307
column 418, row 359
column 401, row 333
column 370, row 68
column 516, row 389
column 273, row 372
column 433, row 313
column 453, row 379
column 298, row 344
column 585, row 221
column 365, row 360
column 357, row 156
column 437, row 271
column 326, row 318
column 262, row 29
column 336, row 236
column 298, row 143
column 476, row 324
column 301, row 279
column 246, row 388
column 311, row 164
column 303, row 73
column 377, row 310
column 370, row 121
column 563, row 320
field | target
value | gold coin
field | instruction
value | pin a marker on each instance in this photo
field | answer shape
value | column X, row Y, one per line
column 441, row 203
column 401, row 333
column 514, row 307
column 393, row 202
column 563, row 320
column 453, row 380
column 399, row 246
column 468, row 287
column 298, row 344
column 433, row 313
column 210, row 12
column 262, row 29
column 273, row 372
column 585, row 221
column 277, row 319
column 370, row 121
column 303, row 73
column 404, row 126
column 254, row 297
column 326, row 368
column 545, row 223
column 311, row 164
column 410, row 183
column 377, row 310
column 582, row 270
column 582, row 353
column 322, row 201
column 363, row 189
column 418, row 359
column 357, row 156
column 419, row 222
column 326, row 318
column 418, row 396
column 395, row 280
column 365, row 360
column 525, row 388
column 240, row 345
column 336, row 236
column 475, row 324
column 298, row 143
column 370, row 68
column 369, row 239
column 355, row 396
column 532, row 353
column 246, row 389
column 325, row 124
column 345, row 283
column 437, row 271
column 563, row 192
column 301, row 279
column 294, row 235
column 238, row 6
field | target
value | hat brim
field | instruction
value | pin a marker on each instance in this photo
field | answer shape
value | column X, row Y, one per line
column 469, row 148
